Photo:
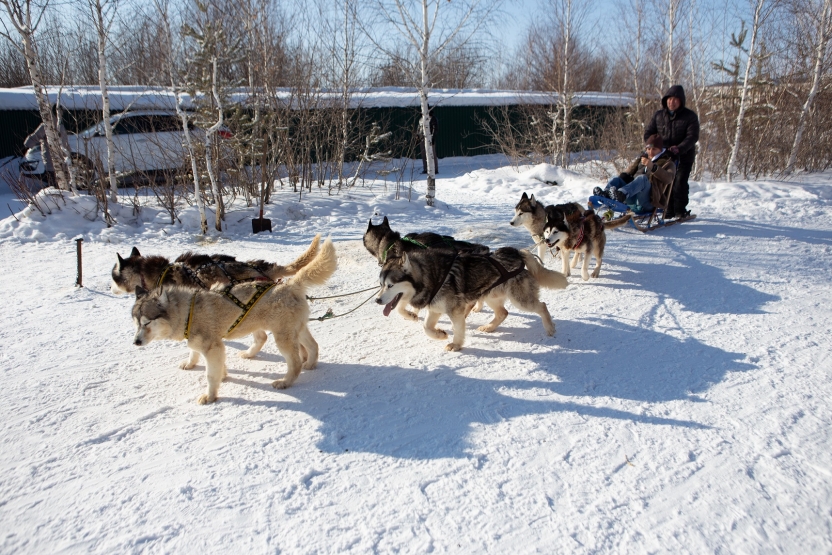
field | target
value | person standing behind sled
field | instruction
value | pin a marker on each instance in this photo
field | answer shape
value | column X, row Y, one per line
column 679, row 128
column 646, row 181
column 434, row 127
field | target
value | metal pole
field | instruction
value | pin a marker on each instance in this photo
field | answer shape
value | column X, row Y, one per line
column 78, row 251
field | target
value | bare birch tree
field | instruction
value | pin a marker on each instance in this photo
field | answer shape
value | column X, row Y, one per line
column 762, row 10
column 822, row 33
column 419, row 23
column 103, row 15
column 178, row 89
column 25, row 16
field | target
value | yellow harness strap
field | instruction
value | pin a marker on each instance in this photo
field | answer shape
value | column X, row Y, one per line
column 190, row 318
column 162, row 277
column 261, row 290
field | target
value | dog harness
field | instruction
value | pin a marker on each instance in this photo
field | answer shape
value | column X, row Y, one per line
column 194, row 274
column 190, row 317
column 505, row 275
column 446, row 241
column 260, row 290
column 580, row 236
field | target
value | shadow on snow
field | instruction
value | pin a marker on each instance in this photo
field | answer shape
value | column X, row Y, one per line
column 420, row 414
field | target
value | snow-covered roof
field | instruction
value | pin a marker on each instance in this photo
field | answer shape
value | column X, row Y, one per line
column 145, row 98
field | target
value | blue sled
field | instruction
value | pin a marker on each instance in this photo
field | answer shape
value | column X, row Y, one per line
column 644, row 221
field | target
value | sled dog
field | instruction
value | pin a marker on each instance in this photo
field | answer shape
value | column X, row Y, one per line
column 205, row 317
column 384, row 244
column 584, row 235
column 532, row 215
column 448, row 283
column 199, row 270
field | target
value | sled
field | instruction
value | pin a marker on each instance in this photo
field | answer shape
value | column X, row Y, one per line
column 649, row 220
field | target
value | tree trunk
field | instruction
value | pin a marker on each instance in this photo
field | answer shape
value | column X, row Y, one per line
column 209, row 147
column 53, row 139
column 817, row 73
column 732, row 161
column 203, row 220
column 423, row 100
column 103, row 81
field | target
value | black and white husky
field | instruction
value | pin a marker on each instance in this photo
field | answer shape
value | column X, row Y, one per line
column 450, row 283
column 531, row 214
column 385, row 244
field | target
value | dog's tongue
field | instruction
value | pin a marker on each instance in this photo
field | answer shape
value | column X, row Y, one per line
column 388, row 308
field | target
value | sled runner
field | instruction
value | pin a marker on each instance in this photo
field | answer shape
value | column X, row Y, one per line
column 649, row 220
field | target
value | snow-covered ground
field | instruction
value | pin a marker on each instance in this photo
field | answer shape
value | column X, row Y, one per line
column 682, row 406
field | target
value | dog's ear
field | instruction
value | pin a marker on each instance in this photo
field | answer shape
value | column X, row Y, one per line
column 406, row 262
column 163, row 298
column 370, row 225
column 140, row 292
column 525, row 196
column 135, row 252
column 385, row 223
column 532, row 201
column 120, row 263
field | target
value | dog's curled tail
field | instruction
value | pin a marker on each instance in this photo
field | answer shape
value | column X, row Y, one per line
column 307, row 257
column 277, row 271
column 545, row 277
column 320, row 268
column 618, row 222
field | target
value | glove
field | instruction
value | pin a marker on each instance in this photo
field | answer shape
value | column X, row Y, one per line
column 674, row 150
column 626, row 177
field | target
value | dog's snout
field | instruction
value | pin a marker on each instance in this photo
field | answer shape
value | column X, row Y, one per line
column 137, row 342
column 378, row 300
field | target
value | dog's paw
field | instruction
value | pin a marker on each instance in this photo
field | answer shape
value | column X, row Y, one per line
column 309, row 366
column 486, row 328
column 408, row 315
column 187, row 364
column 596, row 273
column 585, row 277
column 453, row 347
column 280, row 384
column 437, row 334
column 247, row 354
column 205, row 399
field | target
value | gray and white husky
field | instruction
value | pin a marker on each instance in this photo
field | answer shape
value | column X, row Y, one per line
column 384, row 243
column 206, row 317
column 199, row 270
column 450, row 283
column 584, row 235
column 531, row 214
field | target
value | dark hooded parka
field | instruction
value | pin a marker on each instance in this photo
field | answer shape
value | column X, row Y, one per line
column 678, row 129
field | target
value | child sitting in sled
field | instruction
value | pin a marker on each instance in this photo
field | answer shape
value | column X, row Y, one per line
column 647, row 181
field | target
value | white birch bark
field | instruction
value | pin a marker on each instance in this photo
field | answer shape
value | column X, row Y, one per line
column 419, row 32
column 102, row 27
column 824, row 29
column 566, row 94
column 755, row 29
column 189, row 145
column 348, row 54
column 183, row 116
column 424, row 86
column 20, row 14
column 209, row 147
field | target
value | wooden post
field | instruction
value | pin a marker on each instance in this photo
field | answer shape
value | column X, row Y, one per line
column 78, row 242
